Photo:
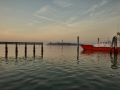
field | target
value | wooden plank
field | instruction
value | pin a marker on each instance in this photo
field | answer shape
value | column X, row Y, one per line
column 22, row 43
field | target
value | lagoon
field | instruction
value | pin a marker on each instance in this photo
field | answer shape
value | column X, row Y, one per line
column 60, row 68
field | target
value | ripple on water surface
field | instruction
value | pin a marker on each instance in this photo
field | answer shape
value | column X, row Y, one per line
column 60, row 69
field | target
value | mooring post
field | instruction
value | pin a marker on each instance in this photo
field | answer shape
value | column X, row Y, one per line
column 42, row 49
column 16, row 50
column 6, row 50
column 25, row 50
column 78, row 43
column 114, row 42
column 34, row 50
column 78, row 47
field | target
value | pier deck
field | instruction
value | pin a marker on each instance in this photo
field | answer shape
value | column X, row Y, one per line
column 22, row 43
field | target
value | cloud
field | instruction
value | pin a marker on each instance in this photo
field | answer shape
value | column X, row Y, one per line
column 105, row 1
column 42, row 17
column 31, row 21
column 92, row 9
column 54, row 16
column 43, row 9
column 112, row 7
column 46, row 13
column 111, row 12
column 62, row 3
column 91, row 14
column 70, row 21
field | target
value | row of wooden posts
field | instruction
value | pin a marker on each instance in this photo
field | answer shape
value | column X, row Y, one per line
column 30, row 43
column 22, row 43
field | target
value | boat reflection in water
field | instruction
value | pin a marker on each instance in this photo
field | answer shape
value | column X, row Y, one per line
column 94, row 52
column 114, row 56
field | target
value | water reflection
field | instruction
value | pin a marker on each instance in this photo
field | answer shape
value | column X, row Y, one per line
column 42, row 55
column 16, row 54
column 6, row 55
column 101, row 54
column 89, row 52
column 19, row 60
column 77, row 55
column 114, row 57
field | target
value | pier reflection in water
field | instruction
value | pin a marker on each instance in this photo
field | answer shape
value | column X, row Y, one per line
column 25, row 52
column 19, row 61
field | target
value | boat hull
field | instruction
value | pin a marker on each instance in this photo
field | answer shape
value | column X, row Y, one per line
column 88, row 52
column 91, row 47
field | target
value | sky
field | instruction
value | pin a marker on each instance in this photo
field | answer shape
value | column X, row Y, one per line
column 56, row 20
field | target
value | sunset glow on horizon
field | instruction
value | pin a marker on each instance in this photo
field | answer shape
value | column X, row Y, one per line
column 57, row 20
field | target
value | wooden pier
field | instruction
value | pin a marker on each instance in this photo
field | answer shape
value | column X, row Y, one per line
column 22, row 43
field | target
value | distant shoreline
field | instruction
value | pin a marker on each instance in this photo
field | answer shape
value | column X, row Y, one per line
column 58, row 43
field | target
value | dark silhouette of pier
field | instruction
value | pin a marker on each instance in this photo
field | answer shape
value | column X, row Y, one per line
column 22, row 43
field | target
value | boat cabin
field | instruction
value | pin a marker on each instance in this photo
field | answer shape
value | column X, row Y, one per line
column 103, row 44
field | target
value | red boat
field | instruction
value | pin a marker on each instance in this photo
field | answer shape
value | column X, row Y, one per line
column 102, row 46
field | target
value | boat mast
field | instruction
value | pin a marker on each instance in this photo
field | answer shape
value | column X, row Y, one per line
column 98, row 40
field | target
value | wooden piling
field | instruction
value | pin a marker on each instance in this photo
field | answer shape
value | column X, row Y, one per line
column 78, row 47
column 25, row 50
column 78, row 43
column 22, row 43
column 42, row 47
column 6, row 50
column 16, row 50
column 42, row 50
column 34, row 49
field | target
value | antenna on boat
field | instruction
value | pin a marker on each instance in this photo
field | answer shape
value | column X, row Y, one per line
column 98, row 40
column 108, row 39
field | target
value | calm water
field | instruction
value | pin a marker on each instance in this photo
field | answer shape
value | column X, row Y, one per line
column 58, row 69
